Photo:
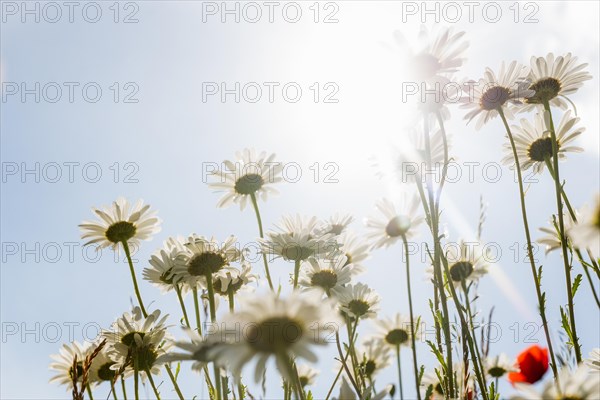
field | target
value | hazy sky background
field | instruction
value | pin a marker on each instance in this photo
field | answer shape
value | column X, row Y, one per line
column 159, row 144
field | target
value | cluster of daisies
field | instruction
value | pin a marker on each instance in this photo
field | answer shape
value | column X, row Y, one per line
column 240, row 318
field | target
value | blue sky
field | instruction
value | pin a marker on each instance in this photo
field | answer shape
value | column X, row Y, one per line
column 159, row 144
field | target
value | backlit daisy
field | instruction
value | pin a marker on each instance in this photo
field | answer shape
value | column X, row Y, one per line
column 492, row 92
column 137, row 342
column 119, row 223
column 307, row 374
column 358, row 301
column 534, row 144
column 551, row 239
column 197, row 349
column 553, row 78
column 373, row 356
column 101, row 369
column 63, row 363
column 250, row 174
column 466, row 262
column 500, row 365
column 586, row 233
column 439, row 52
column 297, row 238
column 232, row 280
column 396, row 331
column 327, row 275
column 335, row 225
column 202, row 257
column 162, row 266
column 269, row 326
column 394, row 223
column 578, row 385
column 593, row 362
column 354, row 248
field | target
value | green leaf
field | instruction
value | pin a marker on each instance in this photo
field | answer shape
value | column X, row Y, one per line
column 576, row 283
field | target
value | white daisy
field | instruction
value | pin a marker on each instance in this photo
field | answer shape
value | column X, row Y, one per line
column 270, row 326
column 500, row 365
column 534, row 143
column 306, row 374
column 396, row 331
column 373, row 356
column 203, row 257
column 551, row 239
column 136, row 342
column 120, row 223
column 586, row 233
column 466, row 261
column 439, row 52
column 197, row 349
column 395, row 222
column 335, row 225
column 358, row 301
column 162, row 266
column 232, row 280
column 101, row 369
column 493, row 92
column 354, row 248
column 250, row 174
column 326, row 275
column 63, row 363
column 297, row 238
column 553, row 78
column 594, row 361
column 578, row 385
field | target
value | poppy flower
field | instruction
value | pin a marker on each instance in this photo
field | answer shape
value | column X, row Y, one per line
column 533, row 364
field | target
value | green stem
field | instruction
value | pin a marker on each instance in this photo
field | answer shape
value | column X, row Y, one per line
column 231, row 296
column 563, row 236
column 89, row 391
column 175, row 385
column 182, row 304
column 296, row 272
column 412, row 319
column 400, row 372
column 478, row 361
column 260, row 231
column 112, row 390
column 345, row 365
column 135, row 285
column 156, row 393
column 123, row 387
column 136, row 380
column 213, row 319
column 197, row 310
column 536, row 279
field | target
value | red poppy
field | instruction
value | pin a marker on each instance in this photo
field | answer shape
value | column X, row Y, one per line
column 533, row 363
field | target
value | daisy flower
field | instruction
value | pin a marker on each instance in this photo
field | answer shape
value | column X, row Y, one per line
column 63, row 363
column 202, row 257
column 439, row 52
column 394, row 223
column 307, row 374
column 354, row 248
column 326, row 275
column 586, row 233
column 136, row 342
column 534, row 143
column 273, row 327
column 249, row 175
column 493, row 92
column 335, row 225
column 101, row 369
column 232, row 280
column 162, row 266
column 594, row 361
column 466, row 262
column 197, row 349
column 374, row 357
column 358, row 301
column 396, row 331
column 296, row 238
column 500, row 365
column 551, row 239
column 553, row 78
column 579, row 384
column 120, row 223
